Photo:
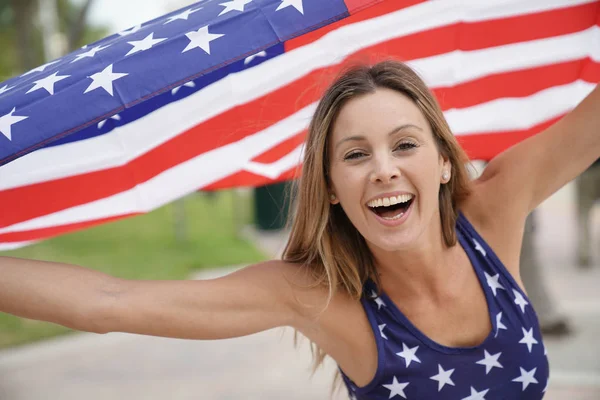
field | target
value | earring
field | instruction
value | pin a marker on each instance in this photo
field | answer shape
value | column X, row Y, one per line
column 445, row 176
column 332, row 197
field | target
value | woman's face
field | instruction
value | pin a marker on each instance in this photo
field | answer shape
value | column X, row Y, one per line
column 385, row 169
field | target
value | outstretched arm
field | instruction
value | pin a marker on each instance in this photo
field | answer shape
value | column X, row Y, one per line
column 250, row 300
column 529, row 172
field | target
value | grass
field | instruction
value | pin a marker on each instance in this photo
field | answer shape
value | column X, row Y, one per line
column 145, row 247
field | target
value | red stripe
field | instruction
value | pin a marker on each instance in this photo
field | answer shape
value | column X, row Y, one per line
column 361, row 10
column 485, row 146
column 475, row 35
column 222, row 130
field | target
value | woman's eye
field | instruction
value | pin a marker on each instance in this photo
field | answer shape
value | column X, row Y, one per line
column 353, row 156
column 406, row 146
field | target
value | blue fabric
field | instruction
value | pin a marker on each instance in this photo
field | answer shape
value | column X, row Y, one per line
column 510, row 363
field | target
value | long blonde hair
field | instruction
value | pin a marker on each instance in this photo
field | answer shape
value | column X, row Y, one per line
column 322, row 237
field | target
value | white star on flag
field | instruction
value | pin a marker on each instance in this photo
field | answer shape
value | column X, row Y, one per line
column 475, row 395
column 183, row 15
column 493, row 283
column 5, row 88
column 528, row 338
column 48, row 83
column 187, row 84
column 396, row 388
column 520, row 300
column 234, row 5
column 381, row 331
column 131, row 30
column 104, row 80
column 297, row 4
column 90, row 53
column 499, row 323
column 377, row 300
column 443, row 377
column 409, row 354
column 526, row 378
column 490, row 361
column 41, row 68
column 144, row 44
column 201, row 38
column 479, row 248
column 116, row 117
column 7, row 121
column 249, row 59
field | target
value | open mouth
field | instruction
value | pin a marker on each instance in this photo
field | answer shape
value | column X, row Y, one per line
column 391, row 208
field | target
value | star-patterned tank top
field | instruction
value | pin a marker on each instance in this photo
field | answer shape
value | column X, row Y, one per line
column 510, row 363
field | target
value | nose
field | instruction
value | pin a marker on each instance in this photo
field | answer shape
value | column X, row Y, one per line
column 385, row 170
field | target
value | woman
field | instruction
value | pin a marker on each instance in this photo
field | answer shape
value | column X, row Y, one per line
column 387, row 270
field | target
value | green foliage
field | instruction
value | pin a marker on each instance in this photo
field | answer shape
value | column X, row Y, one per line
column 144, row 247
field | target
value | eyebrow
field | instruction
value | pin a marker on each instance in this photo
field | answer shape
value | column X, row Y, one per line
column 359, row 137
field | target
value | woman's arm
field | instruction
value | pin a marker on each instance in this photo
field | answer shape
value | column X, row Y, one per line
column 518, row 180
column 247, row 301
column 522, row 177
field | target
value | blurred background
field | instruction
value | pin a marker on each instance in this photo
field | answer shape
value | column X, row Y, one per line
column 561, row 264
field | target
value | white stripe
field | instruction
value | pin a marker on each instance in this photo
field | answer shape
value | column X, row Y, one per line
column 275, row 169
column 178, row 181
column 130, row 141
column 518, row 113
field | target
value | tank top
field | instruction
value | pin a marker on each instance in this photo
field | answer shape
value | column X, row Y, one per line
column 510, row 363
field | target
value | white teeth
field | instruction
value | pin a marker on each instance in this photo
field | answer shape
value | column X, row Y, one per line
column 390, row 201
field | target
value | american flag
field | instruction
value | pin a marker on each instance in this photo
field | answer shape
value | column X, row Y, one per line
column 219, row 95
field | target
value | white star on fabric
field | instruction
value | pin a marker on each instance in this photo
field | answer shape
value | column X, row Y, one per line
column 520, row 300
column 48, row 83
column 377, row 300
column 479, row 248
column 499, row 323
column 41, row 68
column 546, row 387
column 201, row 38
column 116, row 117
column 5, row 89
column 234, row 5
column 131, row 30
column 297, row 4
column 90, row 53
column 7, row 121
column 381, row 331
column 493, row 283
column 528, row 338
column 144, row 44
column 409, row 354
column 104, row 80
column 526, row 378
column 184, row 15
column 396, row 388
column 187, row 84
column 475, row 395
column 490, row 361
column 443, row 377
column 249, row 59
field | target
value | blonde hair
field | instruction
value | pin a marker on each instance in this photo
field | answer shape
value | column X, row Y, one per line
column 322, row 237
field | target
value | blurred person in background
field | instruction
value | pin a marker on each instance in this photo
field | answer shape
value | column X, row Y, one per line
column 587, row 193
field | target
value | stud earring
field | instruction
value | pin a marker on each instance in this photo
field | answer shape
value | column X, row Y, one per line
column 445, row 176
column 332, row 197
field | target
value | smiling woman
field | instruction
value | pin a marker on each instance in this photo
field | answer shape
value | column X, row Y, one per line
column 398, row 267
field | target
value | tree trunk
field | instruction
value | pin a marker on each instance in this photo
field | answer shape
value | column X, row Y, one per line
column 25, row 10
column 78, row 26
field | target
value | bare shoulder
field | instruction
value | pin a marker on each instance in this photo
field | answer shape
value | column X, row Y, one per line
column 335, row 321
column 499, row 224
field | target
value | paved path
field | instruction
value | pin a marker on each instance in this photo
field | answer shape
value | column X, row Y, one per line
column 265, row 366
